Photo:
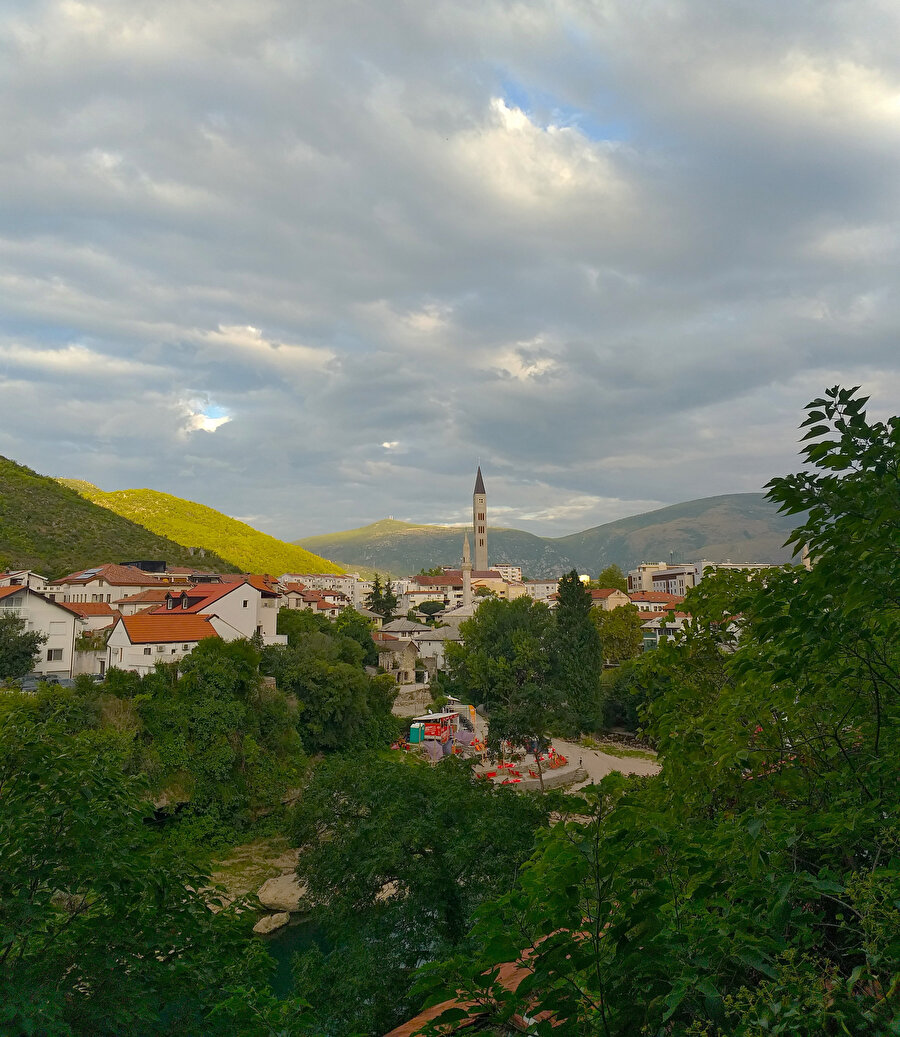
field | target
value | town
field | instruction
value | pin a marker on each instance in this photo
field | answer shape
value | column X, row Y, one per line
column 131, row 615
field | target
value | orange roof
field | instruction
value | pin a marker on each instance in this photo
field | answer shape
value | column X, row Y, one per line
column 151, row 594
column 661, row 596
column 604, row 592
column 6, row 591
column 115, row 575
column 90, row 608
column 265, row 584
column 149, row 627
column 199, row 597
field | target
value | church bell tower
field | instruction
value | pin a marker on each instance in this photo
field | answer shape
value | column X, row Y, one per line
column 479, row 523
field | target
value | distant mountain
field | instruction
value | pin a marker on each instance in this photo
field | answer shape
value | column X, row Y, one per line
column 52, row 529
column 401, row 548
column 186, row 522
column 739, row 526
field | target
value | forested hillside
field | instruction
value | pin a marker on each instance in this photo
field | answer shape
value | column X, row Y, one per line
column 50, row 528
column 739, row 526
column 187, row 522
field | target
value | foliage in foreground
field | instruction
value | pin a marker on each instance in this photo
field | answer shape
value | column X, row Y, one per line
column 102, row 928
column 754, row 887
column 401, row 854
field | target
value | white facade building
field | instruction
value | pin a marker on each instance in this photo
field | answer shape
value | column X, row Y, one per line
column 57, row 623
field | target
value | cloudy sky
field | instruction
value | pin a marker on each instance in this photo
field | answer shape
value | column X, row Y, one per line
column 309, row 262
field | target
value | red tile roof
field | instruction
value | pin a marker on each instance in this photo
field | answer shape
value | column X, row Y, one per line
column 265, row 584
column 150, row 628
column 200, row 597
column 604, row 592
column 6, row 591
column 114, row 575
column 660, row 596
column 155, row 594
column 90, row 608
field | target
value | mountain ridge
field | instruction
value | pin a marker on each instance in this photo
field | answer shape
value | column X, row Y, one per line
column 739, row 526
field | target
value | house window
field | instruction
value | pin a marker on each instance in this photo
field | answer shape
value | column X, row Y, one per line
column 170, row 603
column 185, row 648
column 146, row 650
column 245, row 603
column 54, row 655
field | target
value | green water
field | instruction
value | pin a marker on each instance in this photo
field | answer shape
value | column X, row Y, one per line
column 285, row 943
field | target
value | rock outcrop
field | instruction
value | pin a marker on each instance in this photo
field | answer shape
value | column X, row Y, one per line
column 269, row 923
column 284, row 893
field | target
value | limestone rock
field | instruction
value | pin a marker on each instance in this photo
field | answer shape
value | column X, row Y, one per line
column 285, row 893
column 269, row 923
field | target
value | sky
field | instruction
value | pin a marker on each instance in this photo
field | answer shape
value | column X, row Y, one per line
column 311, row 263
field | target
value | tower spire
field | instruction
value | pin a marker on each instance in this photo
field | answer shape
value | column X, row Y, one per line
column 466, row 572
column 479, row 523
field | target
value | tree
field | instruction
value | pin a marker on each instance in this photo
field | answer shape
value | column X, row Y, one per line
column 19, row 648
column 411, row 851
column 375, row 597
column 350, row 623
column 611, row 576
column 504, row 664
column 103, row 930
column 752, row 887
column 576, row 653
column 621, row 636
column 382, row 599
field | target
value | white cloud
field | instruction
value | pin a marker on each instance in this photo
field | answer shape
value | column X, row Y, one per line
column 609, row 249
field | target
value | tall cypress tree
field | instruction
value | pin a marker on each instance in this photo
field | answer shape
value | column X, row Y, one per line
column 577, row 655
column 375, row 597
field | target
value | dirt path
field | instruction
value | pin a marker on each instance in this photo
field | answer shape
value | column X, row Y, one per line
column 598, row 763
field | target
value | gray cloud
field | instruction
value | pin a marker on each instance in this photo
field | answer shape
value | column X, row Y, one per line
column 609, row 250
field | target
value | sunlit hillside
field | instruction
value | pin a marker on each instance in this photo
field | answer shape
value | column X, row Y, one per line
column 189, row 523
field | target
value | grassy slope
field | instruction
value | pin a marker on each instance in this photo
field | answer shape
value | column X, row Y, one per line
column 50, row 528
column 190, row 523
column 741, row 526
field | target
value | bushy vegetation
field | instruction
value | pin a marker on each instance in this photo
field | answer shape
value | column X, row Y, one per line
column 50, row 528
column 753, row 887
column 535, row 670
column 195, row 525
column 401, row 854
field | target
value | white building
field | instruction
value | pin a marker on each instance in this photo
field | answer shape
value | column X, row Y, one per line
column 57, row 623
column 641, row 578
column 24, row 578
column 541, row 590
column 249, row 607
column 138, row 642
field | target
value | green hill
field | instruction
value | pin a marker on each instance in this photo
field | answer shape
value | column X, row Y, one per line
column 187, row 522
column 740, row 526
column 401, row 548
column 50, row 528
